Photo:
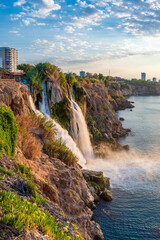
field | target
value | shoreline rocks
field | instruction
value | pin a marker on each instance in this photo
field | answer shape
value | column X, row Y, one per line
column 98, row 185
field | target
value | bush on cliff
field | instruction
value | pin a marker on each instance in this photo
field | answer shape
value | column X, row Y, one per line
column 24, row 216
column 93, row 129
column 61, row 112
column 25, row 67
column 8, row 131
column 59, row 150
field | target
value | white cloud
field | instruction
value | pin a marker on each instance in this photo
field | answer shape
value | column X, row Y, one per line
column 69, row 29
column 28, row 21
column 15, row 17
column 19, row 3
column 45, row 44
column 41, row 24
column 14, row 32
column 45, row 7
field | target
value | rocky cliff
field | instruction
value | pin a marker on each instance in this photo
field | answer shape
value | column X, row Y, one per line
column 38, row 177
column 101, row 105
column 15, row 95
column 140, row 88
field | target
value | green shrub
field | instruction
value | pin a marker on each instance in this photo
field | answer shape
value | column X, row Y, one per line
column 25, row 172
column 125, row 85
column 8, row 131
column 23, row 215
column 59, row 150
column 9, row 173
column 61, row 112
column 93, row 129
column 79, row 92
column 2, row 178
column 32, row 190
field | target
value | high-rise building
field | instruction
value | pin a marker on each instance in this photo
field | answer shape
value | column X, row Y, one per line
column 143, row 76
column 9, row 58
column 82, row 73
column 154, row 79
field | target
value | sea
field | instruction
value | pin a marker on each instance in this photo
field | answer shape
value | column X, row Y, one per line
column 134, row 213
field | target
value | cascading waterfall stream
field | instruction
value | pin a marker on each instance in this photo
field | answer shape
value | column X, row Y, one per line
column 60, row 133
column 80, row 132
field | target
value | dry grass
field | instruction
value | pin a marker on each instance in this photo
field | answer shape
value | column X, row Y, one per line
column 59, row 150
column 28, row 143
column 30, row 126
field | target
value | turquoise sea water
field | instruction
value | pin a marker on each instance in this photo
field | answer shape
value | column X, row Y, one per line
column 134, row 214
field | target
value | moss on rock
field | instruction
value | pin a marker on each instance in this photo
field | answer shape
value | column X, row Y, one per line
column 61, row 112
column 8, row 131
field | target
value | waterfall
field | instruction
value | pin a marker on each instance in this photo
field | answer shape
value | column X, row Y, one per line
column 60, row 133
column 80, row 131
column 44, row 108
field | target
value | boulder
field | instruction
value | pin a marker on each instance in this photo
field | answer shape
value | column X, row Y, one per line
column 106, row 195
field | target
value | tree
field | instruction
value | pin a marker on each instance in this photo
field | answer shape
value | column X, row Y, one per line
column 95, row 75
column 70, row 78
column 48, row 71
column 25, row 67
column 101, row 77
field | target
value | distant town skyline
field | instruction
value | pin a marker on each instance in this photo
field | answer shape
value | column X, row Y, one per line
column 93, row 35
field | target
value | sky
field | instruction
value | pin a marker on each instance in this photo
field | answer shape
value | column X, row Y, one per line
column 120, row 36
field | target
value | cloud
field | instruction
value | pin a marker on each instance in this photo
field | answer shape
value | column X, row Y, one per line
column 89, row 11
column 14, row 32
column 44, row 44
column 41, row 24
column 43, row 8
column 28, row 21
column 69, row 29
column 19, row 3
column 15, row 17
column 2, row 6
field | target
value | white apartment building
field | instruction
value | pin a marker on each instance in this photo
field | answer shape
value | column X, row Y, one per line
column 9, row 57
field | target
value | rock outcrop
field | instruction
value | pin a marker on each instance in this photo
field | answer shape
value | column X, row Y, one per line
column 140, row 88
column 55, row 92
column 67, row 191
column 101, row 107
column 15, row 95
column 98, row 185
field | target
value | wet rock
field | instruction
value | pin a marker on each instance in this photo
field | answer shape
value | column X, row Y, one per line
column 96, row 177
column 126, row 147
column 107, row 195
column 121, row 119
column 97, row 183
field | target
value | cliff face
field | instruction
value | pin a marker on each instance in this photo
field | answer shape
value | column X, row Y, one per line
column 98, row 104
column 15, row 95
column 101, row 108
column 140, row 88
column 60, row 189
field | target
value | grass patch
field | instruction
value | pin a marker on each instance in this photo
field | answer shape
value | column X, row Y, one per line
column 59, row 150
column 8, row 131
column 95, row 185
column 25, row 172
column 24, row 215
column 2, row 178
column 29, row 125
column 9, row 173
column 32, row 190
column 61, row 112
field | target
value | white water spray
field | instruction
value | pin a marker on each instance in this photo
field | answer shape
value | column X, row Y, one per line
column 129, row 170
column 80, row 132
column 61, row 133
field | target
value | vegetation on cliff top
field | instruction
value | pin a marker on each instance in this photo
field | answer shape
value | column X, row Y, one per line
column 8, row 131
column 25, row 216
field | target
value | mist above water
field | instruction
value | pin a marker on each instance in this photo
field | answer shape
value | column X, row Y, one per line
column 129, row 169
